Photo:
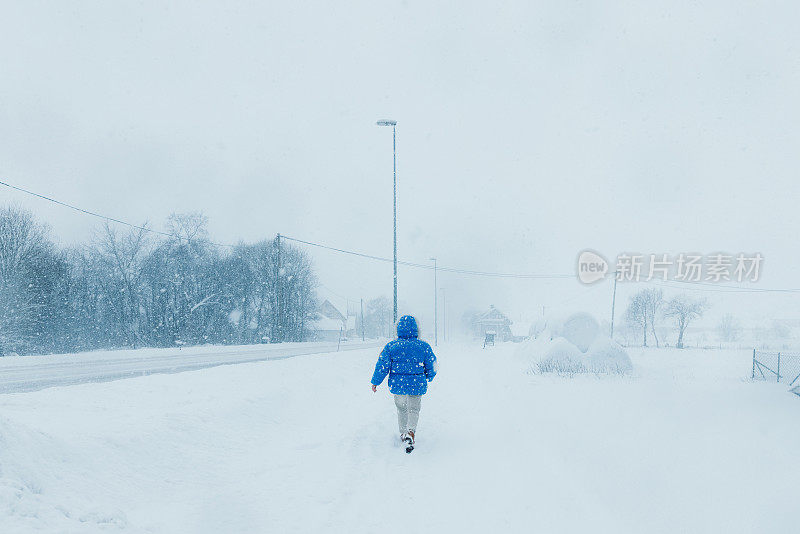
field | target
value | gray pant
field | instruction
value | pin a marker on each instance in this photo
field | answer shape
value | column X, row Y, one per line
column 407, row 411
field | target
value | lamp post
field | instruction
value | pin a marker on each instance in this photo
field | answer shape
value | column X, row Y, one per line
column 435, row 305
column 393, row 124
column 444, row 315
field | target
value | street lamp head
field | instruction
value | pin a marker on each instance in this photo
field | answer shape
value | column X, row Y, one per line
column 386, row 123
column 432, row 259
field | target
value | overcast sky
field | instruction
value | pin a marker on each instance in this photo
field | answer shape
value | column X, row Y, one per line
column 526, row 133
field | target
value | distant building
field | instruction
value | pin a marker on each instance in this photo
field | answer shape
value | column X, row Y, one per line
column 493, row 321
column 330, row 323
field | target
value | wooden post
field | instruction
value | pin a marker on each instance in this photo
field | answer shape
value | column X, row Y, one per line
column 778, row 373
column 753, row 374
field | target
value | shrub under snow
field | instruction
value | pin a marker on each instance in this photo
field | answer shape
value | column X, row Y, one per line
column 574, row 345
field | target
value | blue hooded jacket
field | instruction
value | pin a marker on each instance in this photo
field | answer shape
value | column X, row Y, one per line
column 409, row 362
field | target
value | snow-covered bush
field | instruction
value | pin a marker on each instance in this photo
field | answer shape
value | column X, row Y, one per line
column 574, row 345
column 606, row 355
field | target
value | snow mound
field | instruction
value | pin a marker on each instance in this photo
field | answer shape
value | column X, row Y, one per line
column 605, row 354
column 581, row 329
column 574, row 344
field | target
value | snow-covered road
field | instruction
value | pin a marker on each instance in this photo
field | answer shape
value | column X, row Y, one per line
column 685, row 444
column 32, row 373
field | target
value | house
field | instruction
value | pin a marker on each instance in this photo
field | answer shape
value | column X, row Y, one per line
column 330, row 324
column 493, row 321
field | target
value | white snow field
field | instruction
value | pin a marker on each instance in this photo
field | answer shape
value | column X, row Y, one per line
column 684, row 443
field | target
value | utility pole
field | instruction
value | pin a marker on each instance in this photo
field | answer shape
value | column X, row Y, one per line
column 393, row 124
column 435, row 306
column 362, row 319
column 278, row 315
column 444, row 315
column 613, row 304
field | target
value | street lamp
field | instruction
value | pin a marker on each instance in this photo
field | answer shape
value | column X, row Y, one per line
column 444, row 315
column 393, row 124
column 435, row 305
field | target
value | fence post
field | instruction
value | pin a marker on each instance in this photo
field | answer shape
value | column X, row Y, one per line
column 779, row 367
column 753, row 374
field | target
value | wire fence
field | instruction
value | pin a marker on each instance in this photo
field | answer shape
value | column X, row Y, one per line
column 775, row 366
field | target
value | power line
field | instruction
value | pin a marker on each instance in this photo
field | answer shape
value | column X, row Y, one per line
column 710, row 287
column 104, row 217
column 721, row 289
column 430, row 267
column 87, row 212
column 584, row 292
column 714, row 287
column 359, row 254
column 310, row 243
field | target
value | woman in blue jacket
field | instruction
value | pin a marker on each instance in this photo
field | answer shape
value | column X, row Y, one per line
column 410, row 364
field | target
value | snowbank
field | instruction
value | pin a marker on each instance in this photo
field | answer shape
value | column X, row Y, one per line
column 31, row 463
column 573, row 344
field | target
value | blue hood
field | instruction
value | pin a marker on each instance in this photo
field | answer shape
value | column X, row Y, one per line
column 407, row 327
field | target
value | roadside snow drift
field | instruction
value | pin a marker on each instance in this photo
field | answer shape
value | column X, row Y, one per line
column 574, row 344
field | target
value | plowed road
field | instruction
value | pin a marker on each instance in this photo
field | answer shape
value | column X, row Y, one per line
column 32, row 373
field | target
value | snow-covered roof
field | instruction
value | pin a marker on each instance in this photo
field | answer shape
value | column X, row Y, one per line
column 493, row 315
column 329, row 310
column 326, row 323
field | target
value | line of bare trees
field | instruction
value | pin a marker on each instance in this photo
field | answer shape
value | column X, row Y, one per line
column 128, row 288
column 648, row 306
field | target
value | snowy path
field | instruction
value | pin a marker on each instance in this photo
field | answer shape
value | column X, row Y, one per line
column 302, row 445
column 32, row 373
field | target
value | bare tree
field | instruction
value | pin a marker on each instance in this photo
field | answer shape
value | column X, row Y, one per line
column 729, row 329
column 297, row 285
column 128, row 289
column 123, row 259
column 32, row 284
column 191, row 228
column 22, row 244
column 643, row 310
column 23, row 241
column 684, row 309
column 186, row 264
column 653, row 301
column 637, row 314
